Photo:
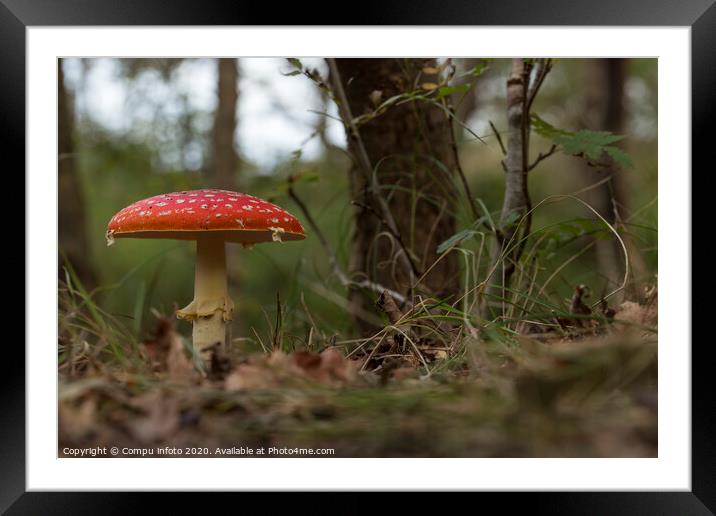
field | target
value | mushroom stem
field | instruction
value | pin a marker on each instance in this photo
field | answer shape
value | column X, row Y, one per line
column 211, row 307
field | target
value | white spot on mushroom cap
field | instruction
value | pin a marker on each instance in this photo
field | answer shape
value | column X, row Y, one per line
column 276, row 234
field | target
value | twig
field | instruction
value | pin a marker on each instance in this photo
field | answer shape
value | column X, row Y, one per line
column 417, row 351
column 373, row 351
column 333, row 260
column 363, row 160
column 431, row 234
column 374, row 212
column 499, row 138
column 541, row 157
column 543, row 67
column 453, row 144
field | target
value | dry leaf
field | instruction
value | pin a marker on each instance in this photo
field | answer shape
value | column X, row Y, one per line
column 635, row 313
column 328, row 367
column 246, row 377
column 161, row 420
column 77, row 421
column 179, row 367
column 166, row 352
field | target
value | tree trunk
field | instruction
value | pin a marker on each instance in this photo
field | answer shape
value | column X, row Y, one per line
column 224, row 162
column 468, row 102
column 224, row 158
column 604, row 110
column 409, row 150
column 516, row 203
column 72, row 230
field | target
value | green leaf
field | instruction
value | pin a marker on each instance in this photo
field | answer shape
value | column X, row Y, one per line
column 619, row 156
column 512, row 218
column 451, row 90
column 296, row 63
column 392, row 100
column 462, row 235
column 589, row 143
column 544, row 128
column 477, row 70
column 456, row 239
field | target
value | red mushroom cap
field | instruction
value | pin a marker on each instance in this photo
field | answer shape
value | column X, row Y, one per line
column 234, row 216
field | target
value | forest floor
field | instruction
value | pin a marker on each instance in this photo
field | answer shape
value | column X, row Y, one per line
column 589, row 390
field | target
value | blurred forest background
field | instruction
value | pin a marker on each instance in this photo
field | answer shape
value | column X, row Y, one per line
column 140, row 127
column 494, row 199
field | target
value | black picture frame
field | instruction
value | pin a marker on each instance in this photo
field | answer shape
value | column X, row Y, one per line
column 17, row 15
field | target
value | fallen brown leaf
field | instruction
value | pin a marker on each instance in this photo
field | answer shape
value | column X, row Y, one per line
column 161, row 418
column 635, row 313
column 77, row 421
column 328, row 367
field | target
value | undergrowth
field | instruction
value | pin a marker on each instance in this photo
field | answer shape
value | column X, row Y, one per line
column 549, row 379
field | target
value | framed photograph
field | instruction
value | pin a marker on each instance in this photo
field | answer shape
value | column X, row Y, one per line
column 421, row 250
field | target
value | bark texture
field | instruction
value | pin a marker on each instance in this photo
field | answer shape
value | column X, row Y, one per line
column 409, row 150
column 225, row 161
column 468, row 103
column 516, row 202
column 604, row 81
column 72, row 231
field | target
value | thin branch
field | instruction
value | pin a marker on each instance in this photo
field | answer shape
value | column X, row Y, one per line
column 453, row 144
column 333, row 260
column 363, row 160
column 377, row 215
column 499, row 138
column 542, row 156
column 543, row 68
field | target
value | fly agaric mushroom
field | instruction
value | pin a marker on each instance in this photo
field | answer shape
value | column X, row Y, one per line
column 211, row 217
